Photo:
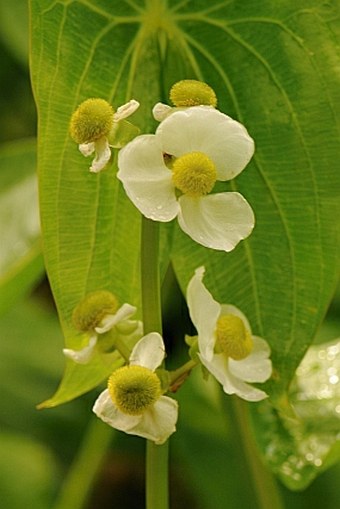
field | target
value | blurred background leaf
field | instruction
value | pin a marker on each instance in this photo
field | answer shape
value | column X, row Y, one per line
column 14, row 28
column 205, row 455
column 29, row 466
column 21, row 262
column 298, row 447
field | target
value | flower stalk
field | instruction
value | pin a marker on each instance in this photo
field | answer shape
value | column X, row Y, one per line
column 157, row 491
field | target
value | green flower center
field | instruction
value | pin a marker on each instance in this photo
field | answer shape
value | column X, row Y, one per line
column 194, row 174
column 93, row 308
column 232, row 337
column 192, row 93
column 91, row 120
column 134, row 389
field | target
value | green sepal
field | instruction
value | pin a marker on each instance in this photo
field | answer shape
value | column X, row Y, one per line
column 164, row 377
column 192, row 342
column 122, row 133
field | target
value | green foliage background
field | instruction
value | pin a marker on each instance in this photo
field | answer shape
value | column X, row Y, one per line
column 275, row 67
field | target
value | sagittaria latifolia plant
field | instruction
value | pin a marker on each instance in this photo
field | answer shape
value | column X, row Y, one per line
column 175, row 138
column 170, row 174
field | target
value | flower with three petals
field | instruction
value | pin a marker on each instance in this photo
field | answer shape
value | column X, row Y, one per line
column 133, row 401
column 93, row 124
column 227, row 347
column 172, row 173
column 97, row 314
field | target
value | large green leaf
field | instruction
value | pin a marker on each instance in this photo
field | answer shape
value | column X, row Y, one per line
column 91, row 231
column 274, row 67
column 21, row 263
column 277, row 64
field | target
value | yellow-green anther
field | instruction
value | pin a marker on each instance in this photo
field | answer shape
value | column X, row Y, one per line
column 194, row 174
column 192, row 93
column 134, row 389
column 92, row 119
column 93, row 308
column 232, row 337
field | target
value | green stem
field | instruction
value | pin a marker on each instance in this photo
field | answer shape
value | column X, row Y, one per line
column 157, row 490
column 151, row 299
column 157, row 496
column 182, row 371
column 123, row 349
column 264, row 484
column 86, row 466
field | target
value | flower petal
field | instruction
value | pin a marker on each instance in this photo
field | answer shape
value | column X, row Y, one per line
column 204, row 312
column 103, row 154
column 218, row 221
column 159, row 421
column 243, row 390
column 84, row 355
column 205, row 129
column 125, row 110
column 156, row 423
column 219, row 368
column 128, row 327
column 87, row 148
column 257, row 367
column 107, row 411
column 146, row 179
column 109, row 321
column 148, row 352
column 160, row 111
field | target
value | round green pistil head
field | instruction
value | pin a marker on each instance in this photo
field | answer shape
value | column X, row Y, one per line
column 134, row 389
column 232, row 337
column 93, row 308
column 192, row 93
column 194, row 174
column 91, row 120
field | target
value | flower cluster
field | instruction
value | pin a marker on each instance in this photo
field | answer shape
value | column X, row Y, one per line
column 171, row 174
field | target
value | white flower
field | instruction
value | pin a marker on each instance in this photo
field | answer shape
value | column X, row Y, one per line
column 133, row 401
column 190, row 151
column 226, row 345
column 119, row 323
column 101, row 146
